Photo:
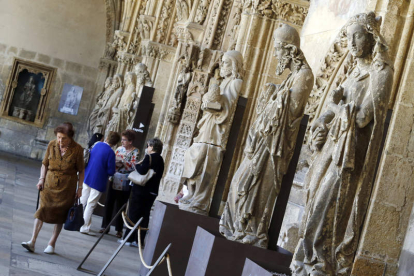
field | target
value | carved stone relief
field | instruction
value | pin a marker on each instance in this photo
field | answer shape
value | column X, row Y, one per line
column 290, row 12
column 183, row 8
column 221, row 26
column 202, row 10
column 164, row 19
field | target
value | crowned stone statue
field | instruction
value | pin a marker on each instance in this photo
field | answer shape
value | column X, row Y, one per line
column 346, row 138
column 269, row 146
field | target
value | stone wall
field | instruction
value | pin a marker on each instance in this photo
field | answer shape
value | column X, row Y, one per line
column 69, row 36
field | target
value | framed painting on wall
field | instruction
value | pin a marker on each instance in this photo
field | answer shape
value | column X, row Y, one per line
column 70, row 99
column 27, row 92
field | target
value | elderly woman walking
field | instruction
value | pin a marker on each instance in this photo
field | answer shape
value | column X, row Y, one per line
column 58, row 182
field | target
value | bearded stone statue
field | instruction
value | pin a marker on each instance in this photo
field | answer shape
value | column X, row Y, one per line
column 105, row 112
column 122, row 111
column 203, row 159
column 346, row 139
column 102, row 97
column 269, row 146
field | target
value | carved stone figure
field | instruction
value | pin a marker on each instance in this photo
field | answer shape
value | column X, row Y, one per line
column 121, row 117
column 105, row 112
column 347, row 139
column 183, row 80
column 183, row 9
column 102, row 97
column 143, row 79
column 202, row 11
column 269, row 146
column 144, row 28
column 203, row 159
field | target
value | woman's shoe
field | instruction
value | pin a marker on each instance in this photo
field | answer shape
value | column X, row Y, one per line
column 49, row 250
column 29, row 246
column 102, row 230
column 119, row 234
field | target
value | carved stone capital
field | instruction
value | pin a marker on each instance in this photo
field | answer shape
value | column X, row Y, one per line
column 189, row 32
column 293, row 11
column 158, row 51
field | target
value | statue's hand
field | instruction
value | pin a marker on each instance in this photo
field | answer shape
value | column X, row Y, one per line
column 337, row 94
column 319, row 135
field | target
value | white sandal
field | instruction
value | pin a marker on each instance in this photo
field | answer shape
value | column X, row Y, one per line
column 29, row 246
column 49, row 250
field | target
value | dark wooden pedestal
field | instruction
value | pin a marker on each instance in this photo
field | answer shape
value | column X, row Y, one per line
column 213, row 255
column 172, row 225
column 252, row 269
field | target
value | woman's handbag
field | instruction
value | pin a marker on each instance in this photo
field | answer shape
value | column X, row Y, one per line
column 141, row 179
column 120, row 182
column 74, row 220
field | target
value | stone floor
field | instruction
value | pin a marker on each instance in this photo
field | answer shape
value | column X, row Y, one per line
column 18, row 196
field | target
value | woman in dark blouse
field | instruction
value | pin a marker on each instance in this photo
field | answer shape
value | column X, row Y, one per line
column 143, row 197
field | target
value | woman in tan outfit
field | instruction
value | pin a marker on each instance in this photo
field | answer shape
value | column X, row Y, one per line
column 58, row 183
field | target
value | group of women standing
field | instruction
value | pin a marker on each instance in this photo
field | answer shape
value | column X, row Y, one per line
column 64, row 179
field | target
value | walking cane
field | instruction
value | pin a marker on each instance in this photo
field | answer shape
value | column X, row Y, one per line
column 37, row 204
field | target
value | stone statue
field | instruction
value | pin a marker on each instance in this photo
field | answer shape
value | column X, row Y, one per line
column 183, row 80
column 347, row 139
column 183, row 8
column 26, row 96
column 105, row 112
column 102, row 97
column 122, row 111
column 269, row 146
column 203, row 159
column 143, row 79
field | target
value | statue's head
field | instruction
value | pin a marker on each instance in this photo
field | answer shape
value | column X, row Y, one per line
column 140, row 69
column 362, row 36
column 129, row 78
column 117, row 81
column 31, row 79
column 232, row 65
column 287, row 48
column 108, row 82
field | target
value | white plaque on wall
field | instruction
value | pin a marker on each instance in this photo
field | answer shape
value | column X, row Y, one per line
column 70, row 100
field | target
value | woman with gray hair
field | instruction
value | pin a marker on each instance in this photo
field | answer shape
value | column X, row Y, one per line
column 143, row 197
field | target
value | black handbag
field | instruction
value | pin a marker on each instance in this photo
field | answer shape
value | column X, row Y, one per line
column 74, row 220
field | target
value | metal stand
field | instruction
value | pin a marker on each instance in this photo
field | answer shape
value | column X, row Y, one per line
column 100, row 238
column 120, row 247
column 159, row 260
